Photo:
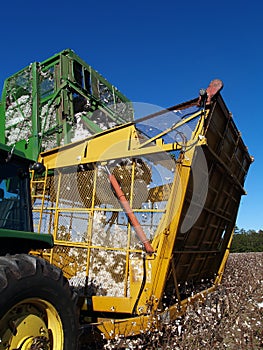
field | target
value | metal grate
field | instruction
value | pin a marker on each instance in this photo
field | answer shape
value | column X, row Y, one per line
column 95, row 244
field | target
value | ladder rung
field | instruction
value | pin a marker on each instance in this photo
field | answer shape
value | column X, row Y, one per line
column 41, row 195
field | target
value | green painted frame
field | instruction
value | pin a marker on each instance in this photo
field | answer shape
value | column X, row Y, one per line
column 43, row 104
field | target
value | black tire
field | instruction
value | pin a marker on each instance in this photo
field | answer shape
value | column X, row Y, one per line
column 36, row 306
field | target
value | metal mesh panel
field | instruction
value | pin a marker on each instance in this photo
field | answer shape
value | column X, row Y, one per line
column 72, row 226
column 68, row 191
column 107, row 273
column 50, row 194
column 107, row 232
column 93, row 234
column 85, row 187
column 48, row 122
column 72, row 261
column 46, row 221
column 104, row 194
column 18, row 107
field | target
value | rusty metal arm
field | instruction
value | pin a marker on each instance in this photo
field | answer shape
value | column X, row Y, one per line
column 128, row 210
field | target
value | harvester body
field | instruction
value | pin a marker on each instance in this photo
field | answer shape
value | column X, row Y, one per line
column 141, row 211
column 181, row 174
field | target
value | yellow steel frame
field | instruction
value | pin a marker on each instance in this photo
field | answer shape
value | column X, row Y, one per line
column 124, row 142
column 147, row 322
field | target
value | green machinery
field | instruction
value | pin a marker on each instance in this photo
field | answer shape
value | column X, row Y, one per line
column 58, row 101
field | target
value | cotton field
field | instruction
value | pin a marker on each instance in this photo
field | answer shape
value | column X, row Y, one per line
column 230, row 318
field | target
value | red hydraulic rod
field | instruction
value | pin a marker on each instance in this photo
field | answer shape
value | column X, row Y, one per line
column 132, row 218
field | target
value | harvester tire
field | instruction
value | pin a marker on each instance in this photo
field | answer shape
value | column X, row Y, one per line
column 37, row 310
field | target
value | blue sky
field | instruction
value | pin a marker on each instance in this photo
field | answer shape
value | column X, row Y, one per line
column 156, row 52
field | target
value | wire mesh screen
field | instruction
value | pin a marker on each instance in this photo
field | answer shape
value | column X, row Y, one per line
column 94, row 239
column 18, row 107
